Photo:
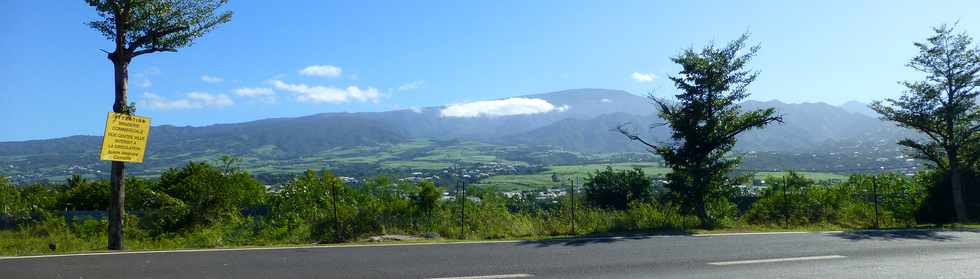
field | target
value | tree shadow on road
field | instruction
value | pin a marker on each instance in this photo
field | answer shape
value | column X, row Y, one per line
column 889, row 235
column 598, row 239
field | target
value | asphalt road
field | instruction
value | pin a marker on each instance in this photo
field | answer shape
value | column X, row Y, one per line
column 906, row 254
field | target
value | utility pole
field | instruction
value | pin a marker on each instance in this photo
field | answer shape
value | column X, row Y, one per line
column 785, row 201
column 572, row 201
column 461, row 188
column 336, row 217
column 874, row 194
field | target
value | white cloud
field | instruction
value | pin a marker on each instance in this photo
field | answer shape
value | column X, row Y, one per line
column 321, row 71
column 208, row 100
column 262, row 94
column 411, row 85
column 192, row 100
column 505, row 107
column 154, row 101
column 604, row 100
column 145, row 82
column 415, row 109
column 211, row 79
column 143, row 79
column 641, row 77
column 328, row 94
column 254, row 91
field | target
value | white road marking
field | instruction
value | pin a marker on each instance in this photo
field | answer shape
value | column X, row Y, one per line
column 518, row 275
column 761, row 233
column 780, row 260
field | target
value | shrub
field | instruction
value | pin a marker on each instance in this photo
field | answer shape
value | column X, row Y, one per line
column 796, row 201
column 210, row 194
column 81, row 194
column 617, row 189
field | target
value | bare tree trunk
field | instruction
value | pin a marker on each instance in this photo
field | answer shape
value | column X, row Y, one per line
column 117, row 177
column 706, row 221
column 116, row 211
column 957, row 186
column 700, row 183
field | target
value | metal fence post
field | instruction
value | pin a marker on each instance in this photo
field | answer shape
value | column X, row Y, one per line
column 785, row 201
column 874, row 195
column 572, row 202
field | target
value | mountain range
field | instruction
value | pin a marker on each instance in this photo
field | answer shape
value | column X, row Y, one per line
column 579, row 120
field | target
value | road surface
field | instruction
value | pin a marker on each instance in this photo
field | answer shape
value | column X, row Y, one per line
column 896, row 254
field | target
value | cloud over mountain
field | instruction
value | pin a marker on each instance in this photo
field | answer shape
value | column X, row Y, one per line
column 192, row 100
column 504, row 107
column 328, row 94
column 643, row 77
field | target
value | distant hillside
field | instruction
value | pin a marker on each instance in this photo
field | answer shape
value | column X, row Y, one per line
column 807, row 127
column 859, row 107
column 584, row 125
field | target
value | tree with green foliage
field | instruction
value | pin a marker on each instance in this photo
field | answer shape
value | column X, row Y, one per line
column 13, row 208
column 616, row 189
column 304, row 199
column 943, row 106
column 211, row 195
column 705, row 119
column 81, row 194
column 788, row 201
column 139, row 27
column 427, row 199
column 322, row 200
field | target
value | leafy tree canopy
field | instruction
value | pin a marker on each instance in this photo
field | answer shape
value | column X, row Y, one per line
column 705, row 119
column 156, row 25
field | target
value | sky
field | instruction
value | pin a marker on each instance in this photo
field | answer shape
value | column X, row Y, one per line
column 297, row 58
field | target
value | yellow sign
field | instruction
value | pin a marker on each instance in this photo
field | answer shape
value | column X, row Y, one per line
column 125, row 138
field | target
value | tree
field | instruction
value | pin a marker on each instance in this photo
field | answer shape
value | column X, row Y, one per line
column 942, row 106
column 705, row 120
column 617, row 189
column 211, row 195
column 138, row 28
column 427, row 199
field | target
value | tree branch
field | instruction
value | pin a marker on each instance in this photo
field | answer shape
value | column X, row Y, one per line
column 631, row 136
column 927, row 150
column 745, row 127
column 152, row 35
column 929, row 131
column 152, row 50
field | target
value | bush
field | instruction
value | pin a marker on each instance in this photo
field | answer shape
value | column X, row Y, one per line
column 617, row 189
column 797, row 201
column 211, row 195
column 14, row 209
column 937, row 208
column 81, row 194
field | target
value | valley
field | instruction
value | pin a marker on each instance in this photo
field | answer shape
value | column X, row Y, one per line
column 512, row 152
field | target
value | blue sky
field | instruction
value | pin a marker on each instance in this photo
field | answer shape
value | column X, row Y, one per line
column 384, row 55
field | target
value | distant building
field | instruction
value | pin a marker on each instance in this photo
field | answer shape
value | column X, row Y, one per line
column 350, row 180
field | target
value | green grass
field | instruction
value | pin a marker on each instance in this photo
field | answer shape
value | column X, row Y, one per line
column 415, row 165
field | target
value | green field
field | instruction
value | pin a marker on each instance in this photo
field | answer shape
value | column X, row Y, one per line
column 816, row 176
column 541, row 180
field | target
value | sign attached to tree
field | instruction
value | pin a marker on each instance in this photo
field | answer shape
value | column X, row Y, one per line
column 125, row 138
